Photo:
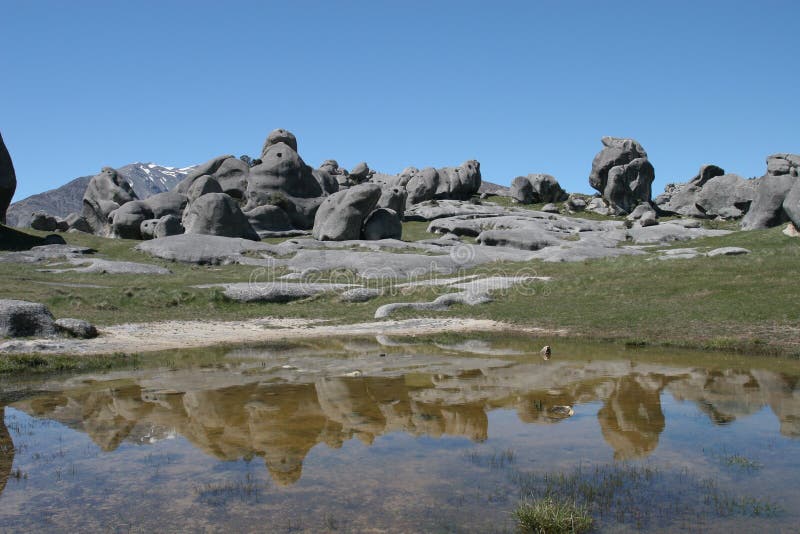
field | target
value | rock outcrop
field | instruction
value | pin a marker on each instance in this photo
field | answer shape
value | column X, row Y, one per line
column 773, row 188
column 229, row 171
column 8, row 180
column 341, row 216
column 19, row 318
column 126, row 221
column 383, row 223
column 622, row 174
column 791, row 204
column 711, row 193
column 536, row 188
column 217, row 214
column 105, row 193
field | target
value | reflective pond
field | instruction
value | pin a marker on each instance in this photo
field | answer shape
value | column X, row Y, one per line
column 435, row 434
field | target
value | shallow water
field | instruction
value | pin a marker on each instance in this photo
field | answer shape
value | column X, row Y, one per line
column 437, row 435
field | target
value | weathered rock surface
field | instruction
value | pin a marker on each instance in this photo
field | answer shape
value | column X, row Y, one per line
column 166, row 226
column 270, row 221
column 228, row 171
column 101, row 266
column 217, row 214
column 341, row 216
column 203, row 249
column 275, row 291
column 536, row 188
column 791, row 204
column 382, row 223
column 44, row 253
column 8, row 180
column 167, row 203
column 78, row 223
column 711, row 193
column 727, row 251
column 437, row 209
column 19, row 318
column 773, row 188
column 76, row 328
column 622, row 173
column 127, row 219
column 202, row 186
column 105, row 193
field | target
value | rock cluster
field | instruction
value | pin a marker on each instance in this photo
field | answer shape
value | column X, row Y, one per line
column 536, row 188
column 711, row 193
column 20, row 318
column 776, row 195
column 622, row 174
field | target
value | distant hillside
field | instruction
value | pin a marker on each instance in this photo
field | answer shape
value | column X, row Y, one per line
column 147, row 179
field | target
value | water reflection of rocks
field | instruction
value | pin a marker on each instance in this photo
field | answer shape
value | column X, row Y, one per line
column 241, row 412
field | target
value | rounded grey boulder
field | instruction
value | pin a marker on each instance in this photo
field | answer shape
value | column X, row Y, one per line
column 279, row 135
column 791, row 204
column 127, row 219
column 167, row 203
column 166, row 226
column 8, row 180
column 202, row 186
column 536, row 188
column 78, row 222
column 217, row 214
column 148, row 228
column 522, row 190
column 229, row 171
column 394, row 198
column 341, row 216
column 76, row 328
column 19, row 318
column 383, row 223
column 269, row 218
column 622, row 173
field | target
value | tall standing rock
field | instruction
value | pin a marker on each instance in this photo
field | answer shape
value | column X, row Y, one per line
column 8, row 180
column 105, row 193
column 283, row 179
column 773, row 188
column 217, row 214
column 622, row 173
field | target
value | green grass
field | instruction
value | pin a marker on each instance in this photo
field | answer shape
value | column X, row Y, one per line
column 551, row 516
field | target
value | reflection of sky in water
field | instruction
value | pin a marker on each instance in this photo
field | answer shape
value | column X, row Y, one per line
column 256, row 448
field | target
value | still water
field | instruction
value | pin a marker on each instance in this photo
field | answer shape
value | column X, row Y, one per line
column 404, row 435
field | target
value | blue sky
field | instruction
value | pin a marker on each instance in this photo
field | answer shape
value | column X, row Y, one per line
column 523, row 87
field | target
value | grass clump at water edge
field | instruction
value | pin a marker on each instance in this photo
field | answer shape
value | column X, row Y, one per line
column 551, row 516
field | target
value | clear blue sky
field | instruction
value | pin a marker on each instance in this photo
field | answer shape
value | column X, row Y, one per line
column 521, row 86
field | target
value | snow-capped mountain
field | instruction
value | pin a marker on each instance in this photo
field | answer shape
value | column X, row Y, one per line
column 147, row 179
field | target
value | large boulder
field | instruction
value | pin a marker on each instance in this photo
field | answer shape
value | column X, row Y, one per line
column 326, row 180
column 167, row 203
column 268, row 219
column 773, row 188
column 393, row 198
column 283, row 179
column 201, row 186
column 459, row 183
column 420, row 185
column 711, row 193
column 19, row 318
column 166, row 226
column 706, row 173
column 383, row 223
column 536, row 188
column 127, row 219
column 44, row 222
column 341, row 216
column 622, row 173
column 8, row 180
column 78, row 223
column 361, row 172
column 791, row 204
column 105, row 193
column 230, row 172
column 279, row 136
column 217, row 214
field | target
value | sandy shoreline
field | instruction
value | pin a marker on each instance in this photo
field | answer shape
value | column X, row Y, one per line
column 171, row 335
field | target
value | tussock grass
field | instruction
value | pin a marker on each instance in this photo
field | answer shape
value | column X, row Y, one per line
column 550, row 516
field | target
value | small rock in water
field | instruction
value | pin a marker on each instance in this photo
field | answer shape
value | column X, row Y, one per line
column 546, row 352
column 354, row 374
column 561, row 411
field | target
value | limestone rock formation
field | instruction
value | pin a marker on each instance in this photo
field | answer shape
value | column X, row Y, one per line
column 76, row 328
column 791, row 204
column 44, row 222
column 78, row 223
column 536, row 188
column 229, row 171
column 126, row 221
column 283, row 179
column 269, row 220
column 19, row 318
column 383, row 223
column 711, row 193
column 773, row 188
column 342, row 215
column 106, row 192
column 201, row 186
column 167, row 203
column 622, row 173
column 8, row 180
column 217, row 214
column 166, row 226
